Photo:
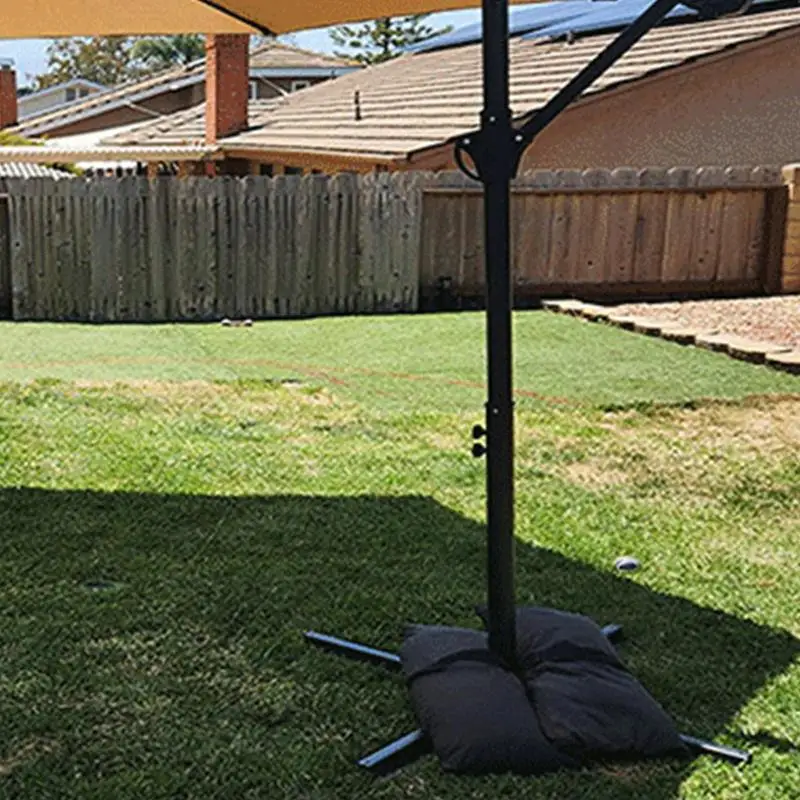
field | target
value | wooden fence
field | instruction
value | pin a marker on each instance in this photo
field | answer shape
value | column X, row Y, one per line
column 5, row 260
column 202, row 249
column 609, row 235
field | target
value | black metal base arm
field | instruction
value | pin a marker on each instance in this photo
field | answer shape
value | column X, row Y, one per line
column 405, row 751
column 409, row 748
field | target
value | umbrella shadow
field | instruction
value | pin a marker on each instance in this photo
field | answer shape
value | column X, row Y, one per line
column 255, row 572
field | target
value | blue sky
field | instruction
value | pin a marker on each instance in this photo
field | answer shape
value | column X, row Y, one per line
column 30, row 59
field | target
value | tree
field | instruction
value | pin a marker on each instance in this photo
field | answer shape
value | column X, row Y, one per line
column 8, row 139
column 382, row 39
column 162, row 52
column 103, row 59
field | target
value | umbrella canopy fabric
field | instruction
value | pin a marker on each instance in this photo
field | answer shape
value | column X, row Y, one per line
column 57, row 18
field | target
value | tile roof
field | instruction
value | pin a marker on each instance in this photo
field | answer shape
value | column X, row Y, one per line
column 422, row 100
column 17, row 169
column 275, row 55
column 272, row 55
column 550, row 19
column 183, row 128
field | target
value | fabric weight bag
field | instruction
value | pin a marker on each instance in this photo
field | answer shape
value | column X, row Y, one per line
column 587, row 702
column 474, row 710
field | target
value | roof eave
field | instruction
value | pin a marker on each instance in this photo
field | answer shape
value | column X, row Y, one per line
column 44, row 155
column 285, row 155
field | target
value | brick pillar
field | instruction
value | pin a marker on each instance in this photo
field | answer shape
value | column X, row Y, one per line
column 8, row 95
column 790, row 277
column 227, row 85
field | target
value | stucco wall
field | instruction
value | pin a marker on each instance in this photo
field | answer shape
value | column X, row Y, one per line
column 744, row 109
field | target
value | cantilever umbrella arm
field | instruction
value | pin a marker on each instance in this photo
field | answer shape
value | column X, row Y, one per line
column 477, row 145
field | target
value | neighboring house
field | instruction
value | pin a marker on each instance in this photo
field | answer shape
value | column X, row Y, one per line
column 56, row 97
column 25, row 170
column 275, row 69
column 721, row 92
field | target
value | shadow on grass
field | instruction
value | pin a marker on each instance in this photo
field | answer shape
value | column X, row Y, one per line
column 154, row 644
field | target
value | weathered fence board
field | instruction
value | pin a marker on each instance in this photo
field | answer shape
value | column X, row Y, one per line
column 5, row 256
column 613, row 233
column 200, row 249
column 136, row 249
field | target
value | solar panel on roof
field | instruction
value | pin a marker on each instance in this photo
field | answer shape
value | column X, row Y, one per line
column 551, row 20
column 609, row 17
column 522, row 20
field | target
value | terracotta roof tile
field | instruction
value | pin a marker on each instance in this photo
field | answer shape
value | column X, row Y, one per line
column 185, row 127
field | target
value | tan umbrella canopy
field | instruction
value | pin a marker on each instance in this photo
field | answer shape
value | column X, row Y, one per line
column 55, row 18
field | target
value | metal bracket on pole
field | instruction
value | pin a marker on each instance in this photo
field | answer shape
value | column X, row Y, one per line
column 476, row 144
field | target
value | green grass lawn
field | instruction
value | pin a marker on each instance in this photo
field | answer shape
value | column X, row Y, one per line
column 395, row 363
column 179, row 503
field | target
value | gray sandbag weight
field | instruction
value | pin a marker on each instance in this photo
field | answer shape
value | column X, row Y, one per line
column 571, row 699
column 475, row 712
column 588, row 703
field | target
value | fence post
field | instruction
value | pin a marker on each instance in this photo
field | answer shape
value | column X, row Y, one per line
column 5, row 257
column 790, row 270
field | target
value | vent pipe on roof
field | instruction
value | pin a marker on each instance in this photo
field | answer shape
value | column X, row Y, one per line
column 357, row 101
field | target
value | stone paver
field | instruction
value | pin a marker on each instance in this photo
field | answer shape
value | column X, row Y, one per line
column 788, row 362
column 764, row 319
column 684, row 335
column 564, row 306
column 755, row 352
column 625, row 321
column 595, row 313
column 649, row 326
column 718, row 342
column 775, row 354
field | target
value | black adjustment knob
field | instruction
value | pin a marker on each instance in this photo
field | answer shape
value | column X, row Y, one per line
column 478, row 432
column 478, row 450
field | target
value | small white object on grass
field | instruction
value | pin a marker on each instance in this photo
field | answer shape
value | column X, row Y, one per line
column 627, row 564
column 226, row 323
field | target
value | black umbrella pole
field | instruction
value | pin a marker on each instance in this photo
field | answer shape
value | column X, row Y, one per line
column 499, row 150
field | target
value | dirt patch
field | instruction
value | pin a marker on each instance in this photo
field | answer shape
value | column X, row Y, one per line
column 694, row 456
column 767, row 319
column 169, row 391
column 763, row 427
column 198, row 393
column 595, row 473
column 25, row 754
